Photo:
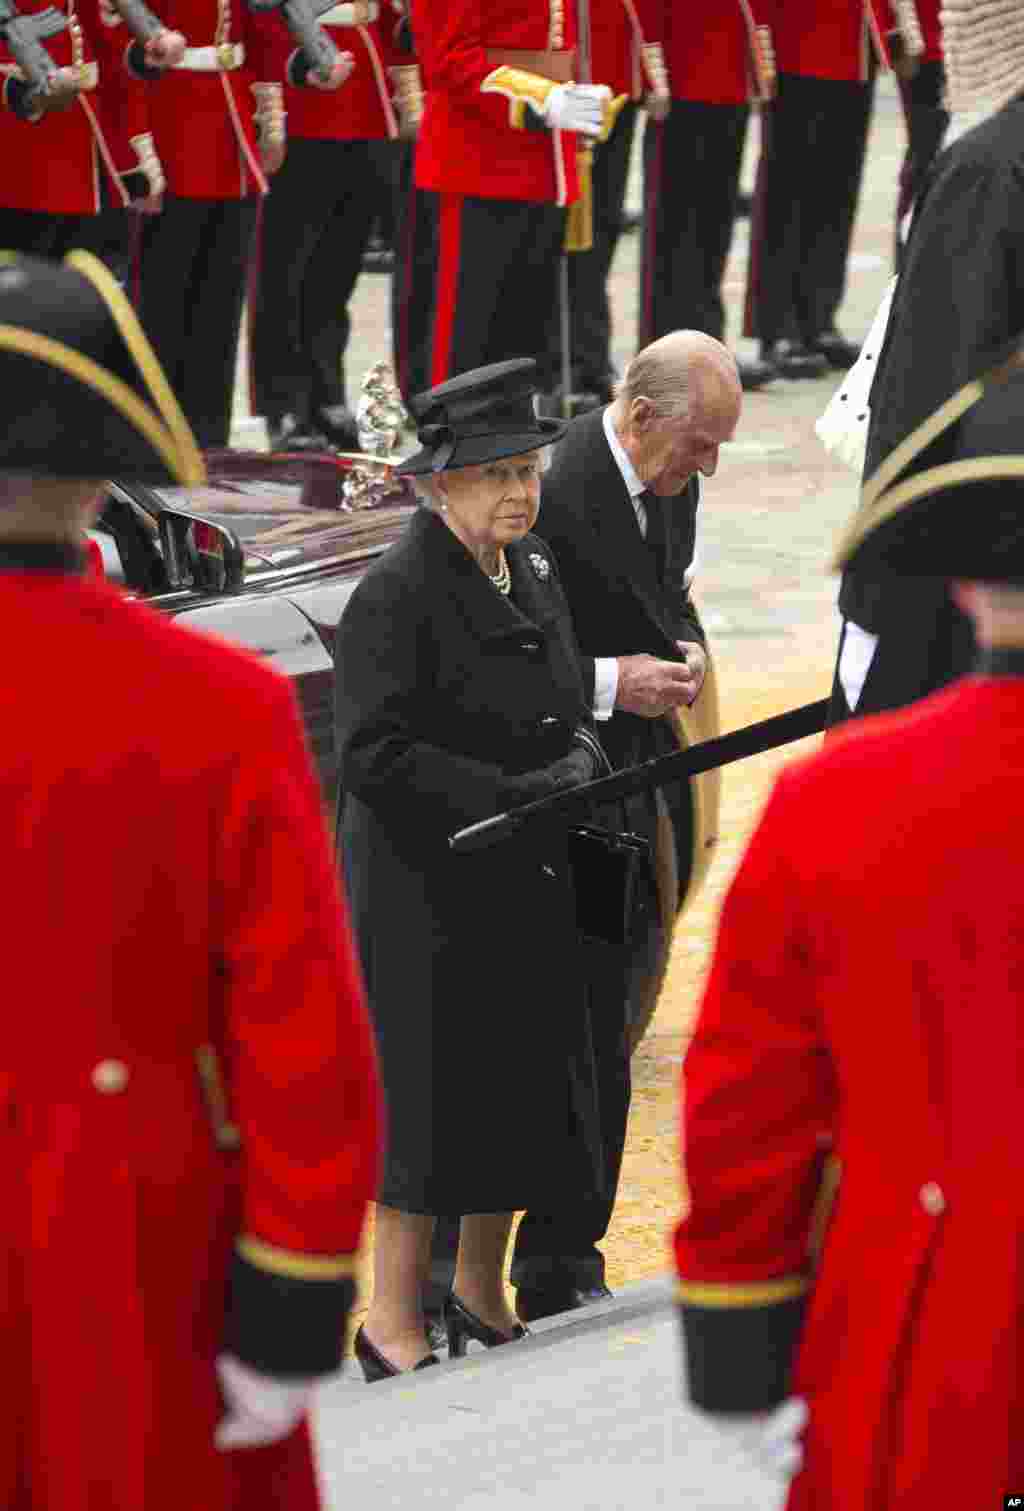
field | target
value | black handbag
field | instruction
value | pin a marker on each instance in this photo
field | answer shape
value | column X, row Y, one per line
column 612, row 872
column 613, row 880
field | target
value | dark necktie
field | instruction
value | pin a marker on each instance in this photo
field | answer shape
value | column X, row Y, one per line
column 657, row 542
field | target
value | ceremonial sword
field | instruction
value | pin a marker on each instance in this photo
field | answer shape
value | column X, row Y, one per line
column 679, row 765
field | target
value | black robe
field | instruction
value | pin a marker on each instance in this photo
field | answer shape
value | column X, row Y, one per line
column 959, row 301
column 476, row 978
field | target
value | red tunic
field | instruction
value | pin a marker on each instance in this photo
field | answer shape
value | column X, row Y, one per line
column 708, row 48
column 823, row 39
column 167, row 886
column 618, row 30
column 55, row 165
column 466, row 143
column 866, row 992
column 203, row 122
column 928, row 19
column 362, row 109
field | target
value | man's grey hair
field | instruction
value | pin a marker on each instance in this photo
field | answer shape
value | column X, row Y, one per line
column 665, row 385
column 674, row 369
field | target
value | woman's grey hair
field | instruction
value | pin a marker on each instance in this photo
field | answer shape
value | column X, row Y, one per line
column 429, row 495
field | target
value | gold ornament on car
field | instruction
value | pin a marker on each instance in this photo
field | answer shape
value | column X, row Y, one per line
column 380, row 416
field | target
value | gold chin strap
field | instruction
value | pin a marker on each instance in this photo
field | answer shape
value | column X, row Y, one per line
column 187, row 463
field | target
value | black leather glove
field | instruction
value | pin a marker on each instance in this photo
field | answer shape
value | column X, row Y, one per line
column 585, row 761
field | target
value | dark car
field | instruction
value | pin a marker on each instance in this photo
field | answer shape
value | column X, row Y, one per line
column 266, row 554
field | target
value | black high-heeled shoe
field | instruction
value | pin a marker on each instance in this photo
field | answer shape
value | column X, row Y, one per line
column 376, row 1367
column 461, row 1324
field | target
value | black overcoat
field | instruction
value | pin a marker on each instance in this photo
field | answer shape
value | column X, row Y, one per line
column 473, row 965
column 621, row 604
column 959, row 302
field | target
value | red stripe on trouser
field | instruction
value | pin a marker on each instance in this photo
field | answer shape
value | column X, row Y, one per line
column 757, row 209
column 652, row 198
column 408, row 251
column 446, row 287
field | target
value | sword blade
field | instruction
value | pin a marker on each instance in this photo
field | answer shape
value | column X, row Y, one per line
column 570, row 806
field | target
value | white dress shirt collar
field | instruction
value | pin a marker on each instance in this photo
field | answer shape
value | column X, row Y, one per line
column 634, row 486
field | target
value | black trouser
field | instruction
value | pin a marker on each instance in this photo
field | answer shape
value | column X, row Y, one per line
column 316, row 222
column 590, row 318
column 412, row 287
column 494, row 283
column 691, row 180
column 926, row 120
column 555, row 1250
column 108, row 235
column 195, row 261
column 804, row 204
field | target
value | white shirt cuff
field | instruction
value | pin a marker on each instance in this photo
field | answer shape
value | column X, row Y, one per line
column 606, row 685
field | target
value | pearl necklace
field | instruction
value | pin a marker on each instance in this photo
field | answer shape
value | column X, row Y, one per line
column 502, row 578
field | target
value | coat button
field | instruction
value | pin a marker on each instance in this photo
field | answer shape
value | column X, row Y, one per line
column 932, row 1199
column 110, row 1076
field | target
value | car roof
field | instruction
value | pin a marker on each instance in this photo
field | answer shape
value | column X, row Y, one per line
column 289, row 508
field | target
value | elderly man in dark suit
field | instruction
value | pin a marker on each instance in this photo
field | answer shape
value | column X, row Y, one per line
column 619, row 510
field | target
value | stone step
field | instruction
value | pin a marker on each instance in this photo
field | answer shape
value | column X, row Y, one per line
column 585, row 1415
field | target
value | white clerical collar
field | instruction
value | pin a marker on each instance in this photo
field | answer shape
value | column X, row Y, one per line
column 634, row 486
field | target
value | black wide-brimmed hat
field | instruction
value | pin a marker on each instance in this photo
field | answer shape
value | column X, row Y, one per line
column 964, row 517
column 479, row 416
column 83, row 393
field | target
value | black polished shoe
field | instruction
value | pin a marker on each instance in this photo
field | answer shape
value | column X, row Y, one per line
column 378, row 257
column 338, row 424
column 791, row 359
column 376, row 1367
column 536, row 1302
column 289, row 433
column 462, row 1324
column 837, row 351
column 755, row 374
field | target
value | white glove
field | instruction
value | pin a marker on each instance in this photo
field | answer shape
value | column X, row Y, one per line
column 260, row 1408
column 769, row 1440
column 577, row 107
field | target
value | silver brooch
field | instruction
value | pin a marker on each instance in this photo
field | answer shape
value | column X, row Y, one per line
column 540, row 565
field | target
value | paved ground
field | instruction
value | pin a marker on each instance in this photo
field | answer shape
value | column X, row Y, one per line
column 583, row 1417
column 591, row 1418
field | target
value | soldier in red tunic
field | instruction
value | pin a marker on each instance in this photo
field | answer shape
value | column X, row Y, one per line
column 913, row 35
column 497, row 150
column 219, row 120
column 316, row 224
column 809, row 180
column 717, row 58
column 851, row 1120
column 188, row 1098
column 628, row 58
column 75, row 159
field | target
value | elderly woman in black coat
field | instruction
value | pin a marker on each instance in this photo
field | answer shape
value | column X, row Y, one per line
column 460, row 695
